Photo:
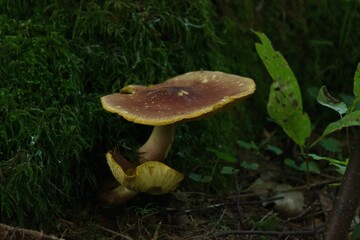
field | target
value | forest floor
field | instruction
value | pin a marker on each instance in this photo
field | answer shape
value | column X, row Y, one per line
column 271, row 202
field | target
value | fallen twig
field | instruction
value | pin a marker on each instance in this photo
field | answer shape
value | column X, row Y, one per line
column 11, row 233
column 115, row 233
column 278, row 234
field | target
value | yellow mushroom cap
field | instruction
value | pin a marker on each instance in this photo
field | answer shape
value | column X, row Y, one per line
column 151, row 177
column 185, row 97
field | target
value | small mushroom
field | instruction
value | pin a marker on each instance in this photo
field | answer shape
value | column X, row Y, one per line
column 187, row 97
column 151, row 177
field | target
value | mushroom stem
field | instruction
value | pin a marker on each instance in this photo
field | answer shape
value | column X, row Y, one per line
column 118, row 196
column 158, row 145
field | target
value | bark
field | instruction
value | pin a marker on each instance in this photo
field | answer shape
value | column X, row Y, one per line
column 347, row 199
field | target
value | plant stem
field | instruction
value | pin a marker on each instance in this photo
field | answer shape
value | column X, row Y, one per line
column 347, row 200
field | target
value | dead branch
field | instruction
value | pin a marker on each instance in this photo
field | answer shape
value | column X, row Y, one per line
column 11, row 233
column 278, row 234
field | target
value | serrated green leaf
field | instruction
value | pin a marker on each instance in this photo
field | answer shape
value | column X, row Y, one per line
column 325, row 99
column 285, row 102
column 349, row 120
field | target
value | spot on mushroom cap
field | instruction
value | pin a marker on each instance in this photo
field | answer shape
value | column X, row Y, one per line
column 151, row 177
column 185, row 97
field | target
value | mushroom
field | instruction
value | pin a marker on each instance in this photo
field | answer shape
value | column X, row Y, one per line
column 186, row 97
column 151, row 177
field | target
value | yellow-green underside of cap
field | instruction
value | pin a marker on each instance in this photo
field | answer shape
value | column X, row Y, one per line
column 151, row 177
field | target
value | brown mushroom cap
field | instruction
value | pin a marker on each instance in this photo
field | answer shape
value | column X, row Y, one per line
column 188, row 96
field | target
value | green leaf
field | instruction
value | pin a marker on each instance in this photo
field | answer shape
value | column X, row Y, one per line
column 356, row 233
column 356, row 89
column 349, row 120
column 302, row 167
column 313, row 167
column 348, row 99
column 291, row 163
column 331, row 160
column 331, row 145
column 228, row 170
column 249, row 165
column 340, row 165
column 285, row 102
column 274, row 149
column 223, row 156
column 200, row 178
column 325, row 99
column 244, row 144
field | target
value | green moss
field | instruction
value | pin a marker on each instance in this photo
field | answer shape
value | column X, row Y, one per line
column 43, row 133
column 60, row 58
